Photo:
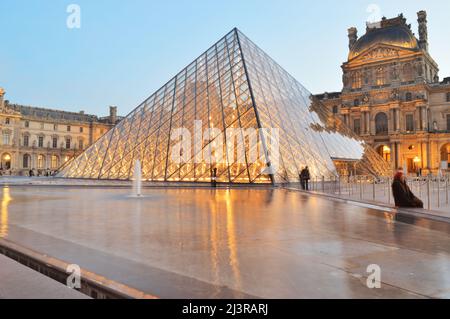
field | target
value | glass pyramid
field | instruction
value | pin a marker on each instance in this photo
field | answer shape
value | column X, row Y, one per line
column 233, row 112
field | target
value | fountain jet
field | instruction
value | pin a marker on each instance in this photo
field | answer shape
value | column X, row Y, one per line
column 137, row 182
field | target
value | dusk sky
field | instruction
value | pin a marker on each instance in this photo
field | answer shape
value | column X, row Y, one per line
column 125, row 50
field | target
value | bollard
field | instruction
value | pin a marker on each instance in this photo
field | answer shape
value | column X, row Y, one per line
column 339, row 187
column 439, row 191
column 446, row 189
column 360, row 190
column 323, row 184
column 389, row 190
column 373, row 197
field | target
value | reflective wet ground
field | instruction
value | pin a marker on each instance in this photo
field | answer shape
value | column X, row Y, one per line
column 204, row 243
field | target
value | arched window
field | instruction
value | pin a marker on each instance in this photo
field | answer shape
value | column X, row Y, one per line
column 408, row 74
column 55, row 162
column 6, row 161
column 41, row 162
column 381, row 77
column 26, row 161
column 381, row 124
column 356, row 80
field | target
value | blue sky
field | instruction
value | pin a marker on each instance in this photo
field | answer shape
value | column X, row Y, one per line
column 125, row 50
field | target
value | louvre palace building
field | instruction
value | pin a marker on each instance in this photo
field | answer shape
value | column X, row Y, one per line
column 393, row 97
column 41, row 140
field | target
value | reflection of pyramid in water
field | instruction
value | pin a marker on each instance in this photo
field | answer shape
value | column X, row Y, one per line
column 234, row 85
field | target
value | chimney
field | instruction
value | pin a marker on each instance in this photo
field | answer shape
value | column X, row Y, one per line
column 423, row 30
column 352, row 37
column 2, row 103
column 113, row 114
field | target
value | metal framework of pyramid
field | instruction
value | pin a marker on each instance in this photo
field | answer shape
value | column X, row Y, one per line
column 233, row 87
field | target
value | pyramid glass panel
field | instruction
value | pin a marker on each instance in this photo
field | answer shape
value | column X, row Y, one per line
column 233, row 113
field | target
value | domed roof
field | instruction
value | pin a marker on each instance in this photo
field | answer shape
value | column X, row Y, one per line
column 399, row 35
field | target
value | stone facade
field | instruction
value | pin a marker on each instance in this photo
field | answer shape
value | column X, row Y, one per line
column 42, row 140
column 393, row 98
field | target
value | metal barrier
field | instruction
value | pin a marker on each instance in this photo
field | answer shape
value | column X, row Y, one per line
column 432, row 190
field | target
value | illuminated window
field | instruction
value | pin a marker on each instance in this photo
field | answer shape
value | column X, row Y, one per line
column 41, row 162
column 55, row 162
column 385, row 152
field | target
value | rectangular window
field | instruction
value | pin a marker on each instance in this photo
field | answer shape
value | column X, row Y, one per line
column 42, row 126
column 81, row 130
column 27, row 124
column 40, row 141
column 7, row 121
column 448, row 97
column 68, row 128
column 26, row 141
column 68, row 143
column 80, row 143
column 55, row 127
column 448, row 122
column 55, row 142
column 6, row 138
column 357, row 126
column 410, row 122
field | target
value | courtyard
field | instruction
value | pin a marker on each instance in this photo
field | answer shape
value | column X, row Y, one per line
column 241, row 242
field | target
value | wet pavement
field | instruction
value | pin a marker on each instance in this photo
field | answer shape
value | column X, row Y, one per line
column 20, row 282
column 228, row 243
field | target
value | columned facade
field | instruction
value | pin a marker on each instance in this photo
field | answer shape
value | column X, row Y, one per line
column 393, row 98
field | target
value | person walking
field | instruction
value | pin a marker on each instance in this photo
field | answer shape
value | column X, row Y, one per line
column 403, row 196
column 304, row 178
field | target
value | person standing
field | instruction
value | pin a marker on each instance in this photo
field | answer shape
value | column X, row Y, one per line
column 304, row 178
column 403, row 196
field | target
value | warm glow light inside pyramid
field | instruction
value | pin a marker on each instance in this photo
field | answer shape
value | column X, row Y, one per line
column 234, row 111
